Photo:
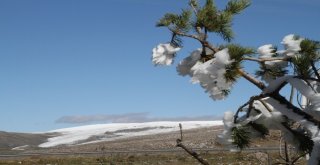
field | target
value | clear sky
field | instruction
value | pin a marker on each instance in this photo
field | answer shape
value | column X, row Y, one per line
column 72, row 62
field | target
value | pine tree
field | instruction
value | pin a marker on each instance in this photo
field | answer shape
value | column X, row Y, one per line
column 217, row 68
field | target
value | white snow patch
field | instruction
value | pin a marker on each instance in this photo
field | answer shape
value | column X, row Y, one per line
column 273, row 85
column 20, row 148
column 163, row 54
column 70, row 136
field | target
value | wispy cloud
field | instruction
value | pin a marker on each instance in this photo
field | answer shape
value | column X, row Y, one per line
column 128, row 118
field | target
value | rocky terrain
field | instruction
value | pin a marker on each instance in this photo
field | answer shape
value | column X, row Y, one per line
column 194, row 138
column 109, row 150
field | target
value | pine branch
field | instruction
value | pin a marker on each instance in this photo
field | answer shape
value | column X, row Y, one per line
column 240, row 137
column 271, row 72
column 240, row 109
column 260, row 128
column 310, row 85
column 252, row 99
column 183, row 23
column 194, row 5
column 310, row 48
column 236, row 53
column 251, row 79
column 167, row 20
column 302, row 66
column 222, row 26
column 250, row 108
column 261, row 60
column 315, row 70
column 175, row 31
column 265, row 105
column 210, row 19
column 215, row 21
column 176, row 41
column 207, row 14
column 179, row 22
column 236, row 6
column 305, row 142
column 307, row 78
column 296, row 110
column 196, row 37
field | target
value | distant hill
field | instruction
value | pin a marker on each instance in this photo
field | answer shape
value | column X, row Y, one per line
column 95, row 134
column 9, row 140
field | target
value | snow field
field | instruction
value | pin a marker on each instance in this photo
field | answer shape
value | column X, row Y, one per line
column 74, row 135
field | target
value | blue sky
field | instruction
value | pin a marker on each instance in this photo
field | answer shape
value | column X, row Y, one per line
column 62, row 59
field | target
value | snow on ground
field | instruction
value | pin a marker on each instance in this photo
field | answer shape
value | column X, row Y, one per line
column 20, row 148
column 114, row 131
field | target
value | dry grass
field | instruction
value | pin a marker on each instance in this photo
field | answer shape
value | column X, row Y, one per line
column 198, row 138
column 221, row 158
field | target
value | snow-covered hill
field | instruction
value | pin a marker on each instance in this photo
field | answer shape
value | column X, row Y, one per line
column 108, row 132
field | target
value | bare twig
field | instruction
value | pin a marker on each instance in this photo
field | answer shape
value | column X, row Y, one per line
column 181, row 136
column 236, row 115
column 250, row 102
column 315, row 70
column 189, row 151
column 298, row 157
column 195, row 11
column 202, row 40
column 184, row 34
column 194, row 8
column 280, row 147
column 250, row 107
column 286, row 152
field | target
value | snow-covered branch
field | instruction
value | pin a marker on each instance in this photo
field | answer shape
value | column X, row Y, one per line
column 261, row 60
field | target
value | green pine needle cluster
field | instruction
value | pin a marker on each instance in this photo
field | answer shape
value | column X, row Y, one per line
column 180, row 22
column 308, row 54
column 226, row 92
column 271, row 72
column 167, row 20
column 236, row 6
column 305, row 142
column 236, row 53
column 194, row 4
column 264, row 131
column 220, row 21
column 240, row 137
column 302, row 66
column 310, row 48
column 207, row 17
